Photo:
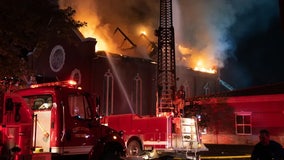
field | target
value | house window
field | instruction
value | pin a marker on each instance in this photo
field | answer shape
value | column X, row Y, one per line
column 243, row 123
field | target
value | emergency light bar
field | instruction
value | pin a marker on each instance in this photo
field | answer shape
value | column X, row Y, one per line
column 68, row 83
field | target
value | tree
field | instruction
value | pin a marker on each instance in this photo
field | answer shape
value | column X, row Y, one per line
column 24, row 26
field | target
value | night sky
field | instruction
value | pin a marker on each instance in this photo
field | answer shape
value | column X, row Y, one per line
column 259, row 53
column 242, row 38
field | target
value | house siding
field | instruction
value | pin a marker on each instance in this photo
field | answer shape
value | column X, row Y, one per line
column 267, row 112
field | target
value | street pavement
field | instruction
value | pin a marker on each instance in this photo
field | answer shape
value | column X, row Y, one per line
column 217, row 152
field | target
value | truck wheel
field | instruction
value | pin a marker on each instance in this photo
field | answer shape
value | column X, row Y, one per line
column 134, row 148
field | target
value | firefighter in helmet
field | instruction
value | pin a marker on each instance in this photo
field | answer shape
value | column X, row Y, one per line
column 179, row 101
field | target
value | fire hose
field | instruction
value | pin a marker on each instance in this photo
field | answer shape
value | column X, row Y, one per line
column 45, row 133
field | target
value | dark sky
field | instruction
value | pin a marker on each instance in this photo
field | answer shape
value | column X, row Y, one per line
column 259, row 53
column 242, row 38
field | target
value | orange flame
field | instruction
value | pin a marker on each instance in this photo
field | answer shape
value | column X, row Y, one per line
column 88, row 32
column 202, row 68
column 198, row 61
column 94, row 28
column 195, row 59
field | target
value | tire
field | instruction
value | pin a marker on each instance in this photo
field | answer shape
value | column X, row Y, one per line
column 134, row 148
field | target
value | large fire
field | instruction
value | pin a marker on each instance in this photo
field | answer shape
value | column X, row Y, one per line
column 197, row 60
column 88, row 32
column 202, row 68
column 106, row 40
column 94, row 29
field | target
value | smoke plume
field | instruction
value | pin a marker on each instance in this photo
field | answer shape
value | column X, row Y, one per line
column 205, row 30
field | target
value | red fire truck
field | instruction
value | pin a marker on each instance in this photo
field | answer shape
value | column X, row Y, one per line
column 54, row 121
column 154, row 136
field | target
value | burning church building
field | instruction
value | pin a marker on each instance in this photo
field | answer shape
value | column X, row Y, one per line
column 122, row 74
column 124, row 84
column 120, row 71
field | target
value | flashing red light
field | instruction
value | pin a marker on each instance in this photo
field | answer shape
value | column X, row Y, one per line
column 69, row 83
column 72, row 82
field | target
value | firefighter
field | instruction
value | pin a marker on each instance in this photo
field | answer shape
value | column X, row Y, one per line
column 179, row 101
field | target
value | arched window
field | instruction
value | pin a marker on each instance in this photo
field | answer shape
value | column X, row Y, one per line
column 108, row 92
column 76, row 76
column 138, row 94
column 206, row 89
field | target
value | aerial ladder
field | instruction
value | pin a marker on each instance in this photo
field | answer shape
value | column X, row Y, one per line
column 166, row 71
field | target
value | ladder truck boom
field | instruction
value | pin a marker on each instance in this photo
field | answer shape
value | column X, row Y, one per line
column 166, row 71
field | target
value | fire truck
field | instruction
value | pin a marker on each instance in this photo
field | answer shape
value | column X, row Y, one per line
column 151, row 137
column 53, row 121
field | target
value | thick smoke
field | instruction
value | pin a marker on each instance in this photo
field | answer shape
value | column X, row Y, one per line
column 204, row 29
column 208, row 28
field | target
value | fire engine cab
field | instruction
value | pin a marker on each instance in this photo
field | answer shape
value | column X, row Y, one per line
column 54, row 121
column 153, row 136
